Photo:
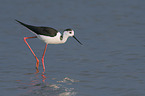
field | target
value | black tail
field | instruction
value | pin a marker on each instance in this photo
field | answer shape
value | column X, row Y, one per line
column 32, row 28
column 21, row 23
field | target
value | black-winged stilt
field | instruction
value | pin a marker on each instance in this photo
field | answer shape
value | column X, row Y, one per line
column 49, row 36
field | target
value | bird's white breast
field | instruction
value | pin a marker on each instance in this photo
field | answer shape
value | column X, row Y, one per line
column 50, row 40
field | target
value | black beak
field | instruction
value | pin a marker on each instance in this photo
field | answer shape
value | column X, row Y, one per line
column 77, row 40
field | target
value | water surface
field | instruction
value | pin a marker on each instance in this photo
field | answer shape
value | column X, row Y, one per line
column 111, row 61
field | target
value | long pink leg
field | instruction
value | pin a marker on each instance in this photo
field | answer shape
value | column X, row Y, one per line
column 37, row 63
column 43, row 58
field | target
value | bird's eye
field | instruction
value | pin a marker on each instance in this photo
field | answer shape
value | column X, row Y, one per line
column 70, row 32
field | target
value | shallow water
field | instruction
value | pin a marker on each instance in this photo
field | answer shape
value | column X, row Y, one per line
column 111, row 61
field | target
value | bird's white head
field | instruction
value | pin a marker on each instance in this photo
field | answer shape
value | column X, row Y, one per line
column 68, row 32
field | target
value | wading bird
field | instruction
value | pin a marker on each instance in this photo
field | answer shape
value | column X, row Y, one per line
column 49, row 36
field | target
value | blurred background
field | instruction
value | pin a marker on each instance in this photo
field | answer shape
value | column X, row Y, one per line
column 111, row 61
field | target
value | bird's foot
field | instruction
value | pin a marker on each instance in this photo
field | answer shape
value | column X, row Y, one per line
column 37, row 64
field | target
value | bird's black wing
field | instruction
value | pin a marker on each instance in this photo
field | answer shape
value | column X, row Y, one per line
column 48, row 31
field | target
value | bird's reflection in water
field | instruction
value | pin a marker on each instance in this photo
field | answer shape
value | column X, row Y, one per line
column 43, row 75
column 39, row 84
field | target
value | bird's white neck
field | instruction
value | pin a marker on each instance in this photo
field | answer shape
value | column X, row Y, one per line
column 64, row 38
